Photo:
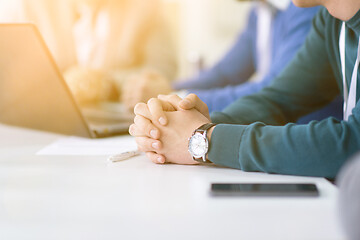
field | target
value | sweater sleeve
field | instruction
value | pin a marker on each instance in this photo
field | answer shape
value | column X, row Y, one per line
column 290, row 33
column 315, row 149
column 235, row 67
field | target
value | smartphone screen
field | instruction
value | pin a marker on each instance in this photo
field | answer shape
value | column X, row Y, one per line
column 264, row 189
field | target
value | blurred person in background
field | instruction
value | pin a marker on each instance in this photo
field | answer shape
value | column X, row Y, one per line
column 348, row 182
column 256, row 132
column 99, row 44
column 275, row 31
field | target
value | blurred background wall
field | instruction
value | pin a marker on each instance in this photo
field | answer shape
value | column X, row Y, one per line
column 204, row 29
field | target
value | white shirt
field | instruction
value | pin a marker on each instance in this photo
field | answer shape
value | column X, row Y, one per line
column 266, row 13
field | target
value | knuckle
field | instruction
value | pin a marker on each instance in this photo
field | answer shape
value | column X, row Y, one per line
column 142, row 124
column 138, row 107
column 163, row 97
column 137, row 119
column 132, row 129
column 152, row 101
column 193, row 96
column 148, row 127
column 173, row 96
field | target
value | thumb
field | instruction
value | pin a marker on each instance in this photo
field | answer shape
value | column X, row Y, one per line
column 186, row 104
column 193, row 101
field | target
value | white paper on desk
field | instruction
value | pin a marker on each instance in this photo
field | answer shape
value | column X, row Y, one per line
column 86, row 147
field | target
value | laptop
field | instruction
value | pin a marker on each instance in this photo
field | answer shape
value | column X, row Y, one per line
column 33, row 93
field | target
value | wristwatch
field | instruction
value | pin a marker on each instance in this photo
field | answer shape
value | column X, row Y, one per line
column 199, row 143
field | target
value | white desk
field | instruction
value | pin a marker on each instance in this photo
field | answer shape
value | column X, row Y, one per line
column 43, row 197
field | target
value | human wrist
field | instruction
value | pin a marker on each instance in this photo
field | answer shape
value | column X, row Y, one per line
column 209, row 133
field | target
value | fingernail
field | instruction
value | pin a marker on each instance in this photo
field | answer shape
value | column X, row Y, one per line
column 162, row 121
column 159, row 159
column 153, row 133
column 155, row 145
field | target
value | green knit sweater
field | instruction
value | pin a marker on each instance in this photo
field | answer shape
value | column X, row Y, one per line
column 256, row 132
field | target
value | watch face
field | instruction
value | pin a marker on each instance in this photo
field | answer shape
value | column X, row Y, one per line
column 198, row 145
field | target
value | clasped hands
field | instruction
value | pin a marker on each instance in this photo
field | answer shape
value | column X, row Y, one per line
column 163, row 126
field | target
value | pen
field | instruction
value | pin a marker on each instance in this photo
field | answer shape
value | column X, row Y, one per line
column 123, row 156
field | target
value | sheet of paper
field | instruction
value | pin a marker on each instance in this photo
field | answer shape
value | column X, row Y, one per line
column 86, row 147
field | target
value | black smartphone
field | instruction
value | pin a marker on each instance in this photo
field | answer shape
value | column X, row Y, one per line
column 264, row 189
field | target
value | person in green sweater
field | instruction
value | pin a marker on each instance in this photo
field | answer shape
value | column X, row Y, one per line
column 257, row 133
